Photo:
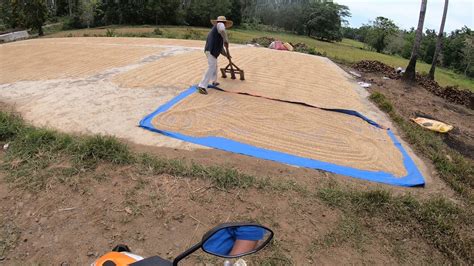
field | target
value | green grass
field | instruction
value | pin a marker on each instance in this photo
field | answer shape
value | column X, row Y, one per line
column 350, row 51
column 348, row 230
column 456, row 170
column 353, row 43
column 221, row 177
column 438, row 220
column 10, row 126
column 36, row 155
column 92, row 150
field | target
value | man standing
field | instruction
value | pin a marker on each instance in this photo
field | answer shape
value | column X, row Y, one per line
column 215, row 43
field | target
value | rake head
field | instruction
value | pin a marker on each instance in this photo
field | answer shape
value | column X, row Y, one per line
column 232, row 69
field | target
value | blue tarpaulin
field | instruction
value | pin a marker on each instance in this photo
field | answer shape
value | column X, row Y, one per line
column 413, row 177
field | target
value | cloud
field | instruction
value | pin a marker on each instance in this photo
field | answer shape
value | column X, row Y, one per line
column 405, row 12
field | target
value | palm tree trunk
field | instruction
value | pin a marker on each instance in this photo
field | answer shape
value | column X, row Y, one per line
column 467, row 67
column 439, row 42
column 69, row 4
column 410, row 74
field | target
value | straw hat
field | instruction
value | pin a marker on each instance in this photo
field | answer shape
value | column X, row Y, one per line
column 227, row 23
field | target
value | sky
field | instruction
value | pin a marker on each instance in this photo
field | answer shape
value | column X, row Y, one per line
column 405, row 13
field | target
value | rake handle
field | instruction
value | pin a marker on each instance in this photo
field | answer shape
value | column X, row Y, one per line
column 232, row 65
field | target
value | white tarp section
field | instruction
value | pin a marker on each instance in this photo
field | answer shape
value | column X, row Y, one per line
column 13, row 36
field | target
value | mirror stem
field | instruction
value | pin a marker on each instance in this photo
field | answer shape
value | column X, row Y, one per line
column 186, row 253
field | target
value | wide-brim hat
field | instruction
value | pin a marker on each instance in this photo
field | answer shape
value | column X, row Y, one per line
column 227, row 23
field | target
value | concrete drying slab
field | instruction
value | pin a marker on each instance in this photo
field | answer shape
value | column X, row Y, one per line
column 107, row 85
column 65, row 84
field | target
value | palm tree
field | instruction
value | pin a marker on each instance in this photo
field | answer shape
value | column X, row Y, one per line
column 410, row 71
column 69, row 5
column 439, row 42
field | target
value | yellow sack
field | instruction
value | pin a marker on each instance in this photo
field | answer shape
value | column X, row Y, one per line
column 288, row 46
column 432, row 124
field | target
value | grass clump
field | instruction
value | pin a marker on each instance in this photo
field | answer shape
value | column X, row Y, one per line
column 348, row 230
column 225, row 178
column 381, row 101
column 10, row 126
column 30, row 153
column 439, row 221
column 110, row 33
column 95, row 149
column 221, row 177
column 157, row 31
column 34, row 153
column 33, row 143
column 452, row 167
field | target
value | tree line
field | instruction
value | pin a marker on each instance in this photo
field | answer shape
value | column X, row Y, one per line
column 318, row 18
column 382, row 35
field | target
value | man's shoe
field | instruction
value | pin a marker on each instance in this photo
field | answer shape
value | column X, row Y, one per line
column 215, row 84
column 202, row 90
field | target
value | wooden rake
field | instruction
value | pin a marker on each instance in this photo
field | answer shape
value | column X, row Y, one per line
column 232, row 69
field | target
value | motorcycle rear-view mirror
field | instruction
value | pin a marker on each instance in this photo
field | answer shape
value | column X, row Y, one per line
column 231, row 241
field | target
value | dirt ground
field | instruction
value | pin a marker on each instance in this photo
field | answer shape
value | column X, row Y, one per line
column 415, row 101
column 73, row 225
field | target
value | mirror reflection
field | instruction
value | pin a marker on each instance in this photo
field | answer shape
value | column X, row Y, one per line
column 236, row 241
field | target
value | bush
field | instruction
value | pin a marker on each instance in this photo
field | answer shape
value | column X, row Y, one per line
column 53, row 19
column 192, row 34
column 313, row 51
column 263, row 41
column 305, row 49
column 157, row 31
column 110, row 33
column 73, row 23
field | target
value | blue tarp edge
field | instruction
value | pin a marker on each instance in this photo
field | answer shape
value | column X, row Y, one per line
column 413, row 177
